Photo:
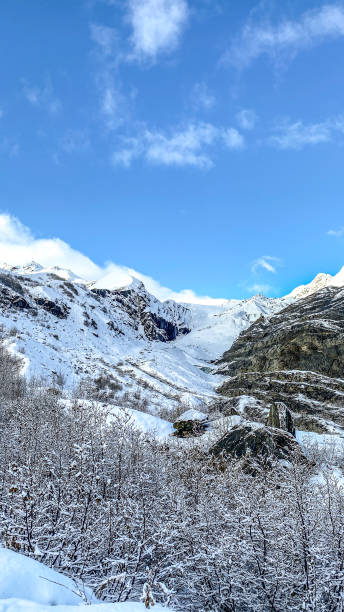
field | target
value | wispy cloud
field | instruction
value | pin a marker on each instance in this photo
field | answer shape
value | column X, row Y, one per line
column 337, row 233
column 131, row 149
column 157, row 26
column 298, row 134
column 108, row 56
column 246, row 119
column 188, row 146
column 9, row 147
column 231, row 138
column 112, row 104
column 267, row 263
column 288, row 37
column 18, row 246
column 201, row 97
column 75, row 141
column 183, row 148
column 260, row 288
column 42, row 97
column 105, row 37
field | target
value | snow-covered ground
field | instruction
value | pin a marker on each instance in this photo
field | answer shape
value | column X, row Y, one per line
column 29, row 586
column 141, row 421
column 215, row 328
column 323, row 441
column 20, row 605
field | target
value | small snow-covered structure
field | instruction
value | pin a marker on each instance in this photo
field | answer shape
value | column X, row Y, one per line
column 190, row 423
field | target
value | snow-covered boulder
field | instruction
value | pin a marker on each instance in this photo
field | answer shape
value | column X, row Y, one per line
column 259, row 445
column 190, row 423
column 192, row 415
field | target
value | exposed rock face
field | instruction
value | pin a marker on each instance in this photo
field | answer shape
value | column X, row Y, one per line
column 273, row 419
column 312, row 398
column 255, row 442
column 162, row 322
column 308, row 335
column 295, row 357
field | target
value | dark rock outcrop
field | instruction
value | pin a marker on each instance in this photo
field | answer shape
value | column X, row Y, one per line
column 101, row 292
column 20, row 302
column 281, row 417
column 187, row 429
column 191, row 423
column 258, row 443
column 160, row 321
column 61, row 312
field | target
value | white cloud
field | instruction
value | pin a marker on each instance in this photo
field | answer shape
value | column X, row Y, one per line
column 201, row 97
column 187, row 146
column 288, row 37
column 233, row 139
column 18, row 246
column 298, row 134
column 131, row 150
column 246, row 118
column 337, row 233
column 267, row 263
column 157, row 26
column 42, row 97
column 105, row 37
column 183, row 148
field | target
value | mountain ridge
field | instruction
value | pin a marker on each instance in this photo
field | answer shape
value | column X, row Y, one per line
column 63, row 326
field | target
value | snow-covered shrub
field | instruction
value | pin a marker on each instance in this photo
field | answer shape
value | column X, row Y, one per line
column 100, row 502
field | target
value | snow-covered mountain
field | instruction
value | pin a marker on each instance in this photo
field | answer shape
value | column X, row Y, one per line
column 67, row 329
column 319, row 282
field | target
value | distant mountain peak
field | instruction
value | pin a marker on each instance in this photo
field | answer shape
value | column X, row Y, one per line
column 32, row 266
column 319, row 282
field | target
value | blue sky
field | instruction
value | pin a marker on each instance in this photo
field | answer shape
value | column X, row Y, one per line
column 197, row 142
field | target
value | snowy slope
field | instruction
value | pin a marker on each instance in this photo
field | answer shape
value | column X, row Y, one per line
column 141, row 421
column 65, row 328
column 29, row 586
column 214, row 328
